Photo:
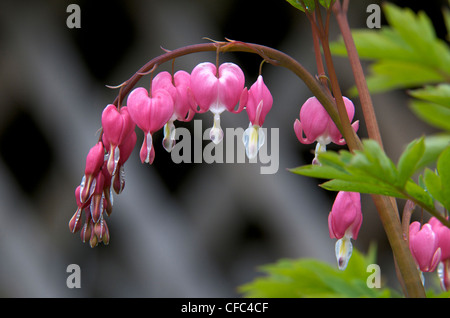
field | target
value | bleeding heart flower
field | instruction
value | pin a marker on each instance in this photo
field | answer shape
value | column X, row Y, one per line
column 258, row 105
column 424, row 246
column 150, row 113
column 217, row 91
column 318, row 126
column 117, row 125
column 344, row 222
column 178, row 87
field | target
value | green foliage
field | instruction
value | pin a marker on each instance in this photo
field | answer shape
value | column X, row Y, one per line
column 439, row 94
column 371, row 171
column 438, row 183
column 406, row 54
column 432, row 104
column 313, row 278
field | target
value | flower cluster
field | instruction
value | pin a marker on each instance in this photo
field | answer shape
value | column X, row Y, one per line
column 104, row 172
column 430, row 247
column 170, row 98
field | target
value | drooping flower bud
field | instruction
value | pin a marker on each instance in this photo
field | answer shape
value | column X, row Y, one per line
column 217, row 91
column 86, row 231
column 94, row 162
column 258, row 105
column 75, row 221
column 97, row 205
column 150, row 113
column 344, row 222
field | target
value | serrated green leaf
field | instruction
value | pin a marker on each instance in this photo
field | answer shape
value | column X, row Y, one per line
column 439, row 94
column 433, row 114
column 310, row 4
column 373, row 161
column 418, row 31
column 409, row 160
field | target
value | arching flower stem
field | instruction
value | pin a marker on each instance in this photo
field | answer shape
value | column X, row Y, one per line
column 272, row 56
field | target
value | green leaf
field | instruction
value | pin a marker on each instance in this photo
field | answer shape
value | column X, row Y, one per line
column 406, row 54
column 433, row 114
column 443, row 168
column 371, row 171
column 433, row 185
column 361, row 187
column 410, row 159
column 374, row 45
column 391, row 74
column 420, row 195
column 417, row 30
column 434, row 145
column 310, row 4
column 439, row 94
column 373, row 162
column 313, row 278
column 438, row 183
column 321, row 172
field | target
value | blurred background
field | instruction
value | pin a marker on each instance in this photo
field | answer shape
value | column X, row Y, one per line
column 177, row 230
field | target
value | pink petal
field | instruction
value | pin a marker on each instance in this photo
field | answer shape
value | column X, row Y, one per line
column 314, row 119
column 231, row 85
column 334, row 132
column 204, row 85
column 182, row 104
column 346, row 216
column 116, row 124
column 94, row 159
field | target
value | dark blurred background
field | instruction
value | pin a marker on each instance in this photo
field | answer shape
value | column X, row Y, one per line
column 177, row 230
